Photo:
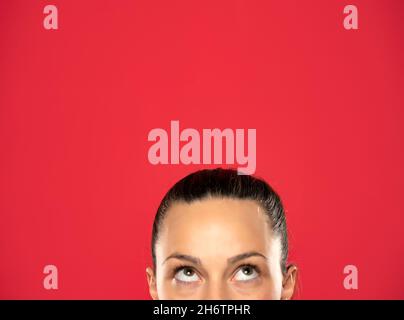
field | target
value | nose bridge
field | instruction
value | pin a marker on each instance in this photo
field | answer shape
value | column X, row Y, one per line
column 216, row 289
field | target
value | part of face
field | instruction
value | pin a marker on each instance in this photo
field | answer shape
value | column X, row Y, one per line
column 206, row 238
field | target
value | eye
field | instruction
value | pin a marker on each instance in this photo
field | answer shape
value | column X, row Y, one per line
column 246, row 273
column 186, row 274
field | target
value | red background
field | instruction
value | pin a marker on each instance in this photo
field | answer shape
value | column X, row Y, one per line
column 77, row 104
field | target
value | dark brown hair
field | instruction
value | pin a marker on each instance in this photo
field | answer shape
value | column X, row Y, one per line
column 225, row 183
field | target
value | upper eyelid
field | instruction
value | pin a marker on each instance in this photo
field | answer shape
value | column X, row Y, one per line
column 179, row 268
column 233, row 273
column 176, row 269
column 247, row 263
column 197, row 268
column 256, row 268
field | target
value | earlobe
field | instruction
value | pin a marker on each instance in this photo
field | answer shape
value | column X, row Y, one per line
column 151, row 279
column 289, row 282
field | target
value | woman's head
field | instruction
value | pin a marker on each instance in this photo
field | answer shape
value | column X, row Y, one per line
column 220, row 235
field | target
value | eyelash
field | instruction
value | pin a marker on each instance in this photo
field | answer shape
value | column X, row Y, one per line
column 184, row 266
column 249, row 265
column 180, row 267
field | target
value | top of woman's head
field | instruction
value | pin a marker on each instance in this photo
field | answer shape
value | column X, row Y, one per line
column 225, row 183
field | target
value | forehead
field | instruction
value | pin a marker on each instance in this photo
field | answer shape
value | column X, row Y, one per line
column 215, row 226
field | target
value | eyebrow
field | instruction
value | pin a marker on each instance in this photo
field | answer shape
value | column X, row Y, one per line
column 185, row 257
column 231, row 260
column 245, row 255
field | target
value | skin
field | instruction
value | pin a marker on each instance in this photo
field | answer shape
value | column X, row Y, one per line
column 219, row 248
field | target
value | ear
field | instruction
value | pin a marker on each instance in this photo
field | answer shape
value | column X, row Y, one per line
column 151, row 279
column 289, row 282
